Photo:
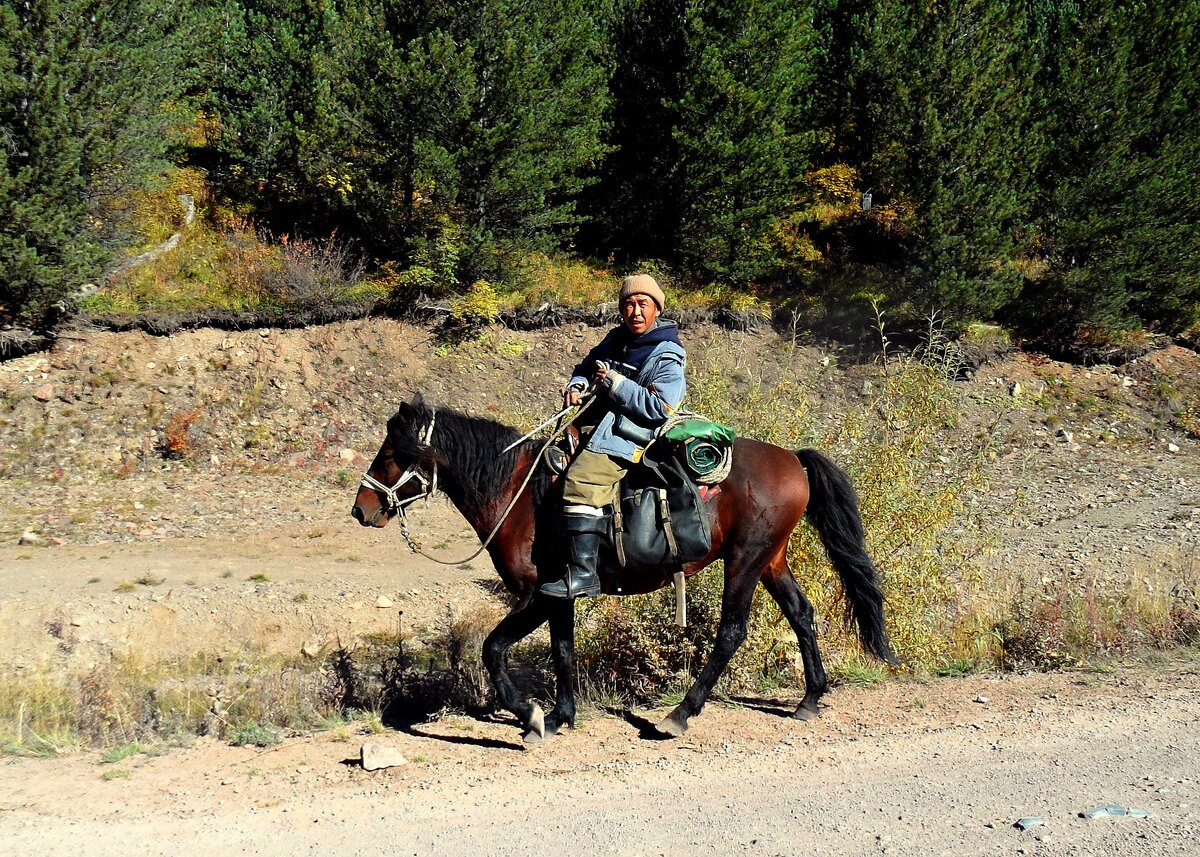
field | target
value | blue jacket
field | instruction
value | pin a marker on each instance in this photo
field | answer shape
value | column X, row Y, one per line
column 632, row 409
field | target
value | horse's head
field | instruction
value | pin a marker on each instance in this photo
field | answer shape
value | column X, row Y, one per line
column 403, row 471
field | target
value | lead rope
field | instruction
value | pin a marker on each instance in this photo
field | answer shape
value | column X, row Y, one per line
column 416, row 548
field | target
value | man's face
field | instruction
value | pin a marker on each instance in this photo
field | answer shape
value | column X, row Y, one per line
column 639, row 313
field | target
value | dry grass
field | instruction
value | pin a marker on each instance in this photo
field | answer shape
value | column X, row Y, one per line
column 234, row 267
column 130, row 700
column 560, row 281
column 1068, row 620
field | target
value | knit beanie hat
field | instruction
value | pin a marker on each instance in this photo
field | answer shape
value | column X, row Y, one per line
column 643, row 284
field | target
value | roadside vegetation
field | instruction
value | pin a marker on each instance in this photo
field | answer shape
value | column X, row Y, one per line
column 1027, row 172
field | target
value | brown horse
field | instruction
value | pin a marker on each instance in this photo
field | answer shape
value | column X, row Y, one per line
column 753, row 513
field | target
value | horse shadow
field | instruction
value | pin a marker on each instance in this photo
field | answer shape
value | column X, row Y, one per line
column 765, row 706
column 644, row 726
column 424, row 728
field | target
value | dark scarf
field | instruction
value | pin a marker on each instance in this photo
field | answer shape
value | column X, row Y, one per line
column 631, row 351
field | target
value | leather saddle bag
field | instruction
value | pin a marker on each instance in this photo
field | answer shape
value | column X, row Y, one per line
column 660, row 521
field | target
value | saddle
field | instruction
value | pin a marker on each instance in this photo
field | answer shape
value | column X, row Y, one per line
column 659, row 522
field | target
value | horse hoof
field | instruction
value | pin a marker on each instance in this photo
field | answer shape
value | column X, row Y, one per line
column 536, row 724
column 671, row 727
column 805, row 713
column 532, row 738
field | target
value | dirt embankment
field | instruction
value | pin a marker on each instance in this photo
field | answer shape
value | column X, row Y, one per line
column 189, row 493
column 196, row 462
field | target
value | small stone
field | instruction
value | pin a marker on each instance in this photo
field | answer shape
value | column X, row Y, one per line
column 312, row 647
column 1173, row 448
column 1030, row 821
column 1066, row 435
column 1113, row 811
column 384, row 602
column 44, row 393
column 55, row 541
column 29, row 537
column 1015, row 390
column 347, row 455
column 303, row 769
column 378, row 756
column 983, row 700
column 1128, row 382
column 151, row 365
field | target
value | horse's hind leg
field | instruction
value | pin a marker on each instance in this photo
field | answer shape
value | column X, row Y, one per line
column 778, row 581
column 562, row 643
column 740, row 579
column 522, row 621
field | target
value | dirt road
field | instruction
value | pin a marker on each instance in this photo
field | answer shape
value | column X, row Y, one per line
column 942, row 767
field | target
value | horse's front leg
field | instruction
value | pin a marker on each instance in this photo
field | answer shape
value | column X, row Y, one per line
column 740, row 580
column 562, row 644
column 522, row 621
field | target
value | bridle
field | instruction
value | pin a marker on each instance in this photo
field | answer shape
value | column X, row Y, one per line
column 392, row 501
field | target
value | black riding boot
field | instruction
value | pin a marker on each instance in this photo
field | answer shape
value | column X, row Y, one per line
column 584, row 534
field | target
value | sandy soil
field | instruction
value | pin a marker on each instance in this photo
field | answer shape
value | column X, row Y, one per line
column 944, row 767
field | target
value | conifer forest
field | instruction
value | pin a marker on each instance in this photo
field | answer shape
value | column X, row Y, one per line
column 1031, row 162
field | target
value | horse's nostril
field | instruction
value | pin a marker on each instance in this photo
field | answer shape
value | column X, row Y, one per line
column 357, row 514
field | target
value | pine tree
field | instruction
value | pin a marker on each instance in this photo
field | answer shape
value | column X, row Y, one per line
column 397, row 96
column 1118, row 222
column 635, row 207
column 951, row 119
column 742, row 130
column 534, row 131
column 86, row 97
column 481, row 121
column 262, row 69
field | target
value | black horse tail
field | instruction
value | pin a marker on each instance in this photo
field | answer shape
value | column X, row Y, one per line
column 833, row 511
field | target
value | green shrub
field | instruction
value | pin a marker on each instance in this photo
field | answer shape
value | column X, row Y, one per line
column 254, row 734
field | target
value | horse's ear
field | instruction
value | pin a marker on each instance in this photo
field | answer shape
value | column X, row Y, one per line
column 405, row 414
column 418, row 401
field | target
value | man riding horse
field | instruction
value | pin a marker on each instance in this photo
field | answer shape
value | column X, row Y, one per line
column 637, row 370
column 484, row 467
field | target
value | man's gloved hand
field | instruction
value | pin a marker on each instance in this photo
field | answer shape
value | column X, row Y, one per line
column 572, row 395
column 607, row 378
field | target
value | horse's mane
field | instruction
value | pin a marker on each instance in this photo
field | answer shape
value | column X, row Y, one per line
column 468, row 449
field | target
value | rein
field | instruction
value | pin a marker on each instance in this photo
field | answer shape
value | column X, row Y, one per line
column 430, row 485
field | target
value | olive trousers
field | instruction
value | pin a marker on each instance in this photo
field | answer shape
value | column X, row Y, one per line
column 592, row 479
